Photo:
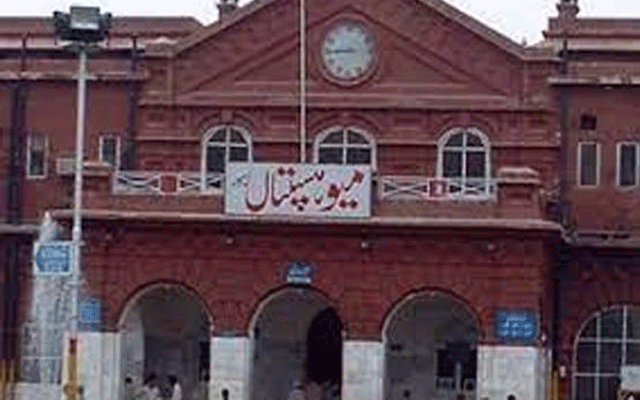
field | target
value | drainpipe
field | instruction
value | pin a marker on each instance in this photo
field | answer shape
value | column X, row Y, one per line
column 129, row 156
column 11, row 265
column 563, row 250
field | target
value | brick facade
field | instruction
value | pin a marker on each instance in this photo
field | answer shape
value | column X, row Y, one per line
column 483, row 271
column 488, row 254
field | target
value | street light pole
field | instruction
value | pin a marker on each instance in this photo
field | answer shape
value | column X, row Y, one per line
column 303, row 85
column 83, row 26
column 76, row 232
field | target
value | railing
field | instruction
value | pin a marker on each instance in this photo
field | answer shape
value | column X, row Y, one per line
column 449, row 384
column 390, row 188
column 426, row 188
column 167, row 183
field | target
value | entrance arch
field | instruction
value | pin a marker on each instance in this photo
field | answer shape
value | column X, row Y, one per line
column 430, row 349
column 165, row 331
column 297, row 337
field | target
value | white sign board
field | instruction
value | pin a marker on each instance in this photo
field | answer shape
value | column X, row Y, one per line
column 298, row 189
column 630, row 377
column 53, row 258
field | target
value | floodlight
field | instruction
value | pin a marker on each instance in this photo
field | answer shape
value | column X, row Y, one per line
column 85, row 18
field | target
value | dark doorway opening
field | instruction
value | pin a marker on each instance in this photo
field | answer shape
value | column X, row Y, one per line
column 297, row 347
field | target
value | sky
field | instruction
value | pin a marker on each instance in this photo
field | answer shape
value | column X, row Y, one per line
column 521, row 20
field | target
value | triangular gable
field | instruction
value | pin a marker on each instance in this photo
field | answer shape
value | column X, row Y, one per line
column 407, row 62
column 432, row 42
column 440, row 6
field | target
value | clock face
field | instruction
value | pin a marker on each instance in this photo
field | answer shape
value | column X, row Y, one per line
column 347, row 51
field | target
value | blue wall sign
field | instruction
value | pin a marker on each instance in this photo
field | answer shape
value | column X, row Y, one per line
column 53, row 258
column 89, row 313
column 300, row 273
column 516, row 325
column 89, row 310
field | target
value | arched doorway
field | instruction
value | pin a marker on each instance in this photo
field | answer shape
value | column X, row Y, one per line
column 608, row 340
column 166, row 331
column 430, row 349
column 297, row 337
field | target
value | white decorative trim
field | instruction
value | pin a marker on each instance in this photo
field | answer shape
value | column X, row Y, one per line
column 246, row 135
column 486, row 149
column 320, row 137
column 44, row 160
column 598, row 340
column 102, row 138
column 619, row 164
column 579, row 165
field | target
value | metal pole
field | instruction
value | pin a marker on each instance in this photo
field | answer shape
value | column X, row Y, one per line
column 76, row 232
column 303, row 86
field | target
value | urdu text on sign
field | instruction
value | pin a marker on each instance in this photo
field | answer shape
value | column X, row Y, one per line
column 298, row 189
column 516, row 326
column 53, row 258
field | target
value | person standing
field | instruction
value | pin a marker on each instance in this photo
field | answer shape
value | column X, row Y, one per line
column 202, row 388
column 129, row 389
column 297, row 393
column 150, row 389
column 176, row 393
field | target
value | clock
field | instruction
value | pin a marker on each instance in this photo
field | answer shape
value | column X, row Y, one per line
column 348, row 51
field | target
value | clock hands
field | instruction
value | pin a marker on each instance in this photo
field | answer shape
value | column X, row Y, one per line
column 338, row 51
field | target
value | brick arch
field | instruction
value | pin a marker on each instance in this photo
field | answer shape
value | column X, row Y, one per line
column 235, row 117
column 357, row 120
column 607, row 293
column 205, row 121
column 584, row 321
column 489, row 128
column 134, row 296
column 264, row 300
column 407, row 297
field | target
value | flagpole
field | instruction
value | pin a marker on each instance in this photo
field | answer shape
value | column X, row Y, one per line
column 303, row 86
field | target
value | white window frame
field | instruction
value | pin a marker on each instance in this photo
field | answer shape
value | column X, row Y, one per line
column 118, row 149
column 442, row 146
column 45, row 168
column 618, row 164
column 579, row 164
column 371, row 143
column 624, row 341
column 246, row 135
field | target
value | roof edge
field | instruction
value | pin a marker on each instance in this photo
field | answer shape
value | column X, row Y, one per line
column 529, row 53
column 512, row 224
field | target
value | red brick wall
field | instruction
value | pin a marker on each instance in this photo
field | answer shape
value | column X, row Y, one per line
column 405, row 141
column 364, row 283
column 51, row 111
column 618, row 120
column 596, row 279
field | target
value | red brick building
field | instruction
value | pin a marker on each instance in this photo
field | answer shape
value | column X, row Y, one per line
column 498, row 185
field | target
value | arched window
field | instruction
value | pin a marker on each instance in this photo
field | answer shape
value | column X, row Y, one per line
column 223, row 144
column 608, row 340
column 345, row 145
column 464, row 159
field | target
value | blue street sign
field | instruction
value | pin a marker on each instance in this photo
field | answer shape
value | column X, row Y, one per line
column 89, row 314
column 300, row 273
column 53, row 258
column 89, row 310
column 516, row 326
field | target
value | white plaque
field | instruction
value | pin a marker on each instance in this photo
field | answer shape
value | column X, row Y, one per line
column 630, row 377
column 298, row 189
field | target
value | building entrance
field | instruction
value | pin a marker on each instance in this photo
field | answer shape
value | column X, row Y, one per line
column 297, row 342
column 430, row 350
column 165, row 332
